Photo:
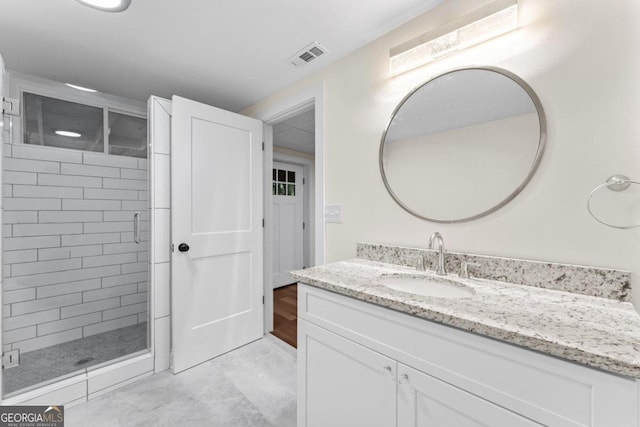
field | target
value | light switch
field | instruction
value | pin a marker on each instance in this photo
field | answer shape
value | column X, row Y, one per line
column 333, row 213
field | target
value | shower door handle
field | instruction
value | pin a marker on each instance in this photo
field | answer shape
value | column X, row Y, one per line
column 136, row 227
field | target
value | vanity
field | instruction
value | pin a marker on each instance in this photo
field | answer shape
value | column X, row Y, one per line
column 391, row 338
column 502, row 355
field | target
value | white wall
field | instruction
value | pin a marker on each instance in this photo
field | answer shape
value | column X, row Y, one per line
column 580, row 56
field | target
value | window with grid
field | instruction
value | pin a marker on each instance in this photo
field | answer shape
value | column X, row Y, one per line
column 284, row 182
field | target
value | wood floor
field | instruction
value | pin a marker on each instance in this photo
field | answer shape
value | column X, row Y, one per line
column 285, row 314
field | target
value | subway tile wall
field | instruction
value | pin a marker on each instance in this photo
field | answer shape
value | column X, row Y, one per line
column 71, row 266
column 160, row 255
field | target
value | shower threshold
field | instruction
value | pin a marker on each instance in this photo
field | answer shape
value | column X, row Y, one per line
column 46, row 364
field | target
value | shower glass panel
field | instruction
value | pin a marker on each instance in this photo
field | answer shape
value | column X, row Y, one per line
column 75, row 280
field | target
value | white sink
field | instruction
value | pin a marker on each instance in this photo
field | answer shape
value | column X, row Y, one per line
column 428, row 286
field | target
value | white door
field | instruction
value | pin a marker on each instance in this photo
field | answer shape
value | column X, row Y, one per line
column 216, row 228
column 343, row 383
column 287, row 221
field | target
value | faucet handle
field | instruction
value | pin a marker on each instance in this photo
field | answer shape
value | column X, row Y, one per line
column 464, row 268
column 421, row 263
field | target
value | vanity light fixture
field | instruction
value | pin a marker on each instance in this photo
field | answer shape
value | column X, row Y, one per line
column 68, row 133
column 487, row 22
column 82, row 88
column 107, row 5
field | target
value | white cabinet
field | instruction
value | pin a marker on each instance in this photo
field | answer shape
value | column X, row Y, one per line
column 345, row 384
column 360, row 364
column 424, row 401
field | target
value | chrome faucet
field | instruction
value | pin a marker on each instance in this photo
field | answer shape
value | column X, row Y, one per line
column 441, row 268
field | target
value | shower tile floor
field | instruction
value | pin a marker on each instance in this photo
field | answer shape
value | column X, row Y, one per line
column 253, row 386
column 62, row 359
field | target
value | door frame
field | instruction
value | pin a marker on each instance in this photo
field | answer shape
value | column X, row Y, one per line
column 313, row 95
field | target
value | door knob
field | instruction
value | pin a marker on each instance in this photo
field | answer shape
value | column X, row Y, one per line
column 183, row 247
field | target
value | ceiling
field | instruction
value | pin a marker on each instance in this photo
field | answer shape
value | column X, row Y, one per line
column 225, row 53
column 296, row 133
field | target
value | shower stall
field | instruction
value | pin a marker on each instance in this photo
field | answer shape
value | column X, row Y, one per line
column 75, row 234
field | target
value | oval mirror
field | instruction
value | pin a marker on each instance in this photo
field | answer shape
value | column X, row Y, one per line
column 463, row 144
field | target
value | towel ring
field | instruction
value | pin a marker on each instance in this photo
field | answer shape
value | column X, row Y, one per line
column 613, row 183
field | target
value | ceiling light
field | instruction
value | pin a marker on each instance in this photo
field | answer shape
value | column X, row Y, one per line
column 68, row 133
column 492, row 20
column 107, row 5
column 84, row 89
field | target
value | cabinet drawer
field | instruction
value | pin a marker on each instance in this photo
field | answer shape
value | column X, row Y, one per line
column 552, row 391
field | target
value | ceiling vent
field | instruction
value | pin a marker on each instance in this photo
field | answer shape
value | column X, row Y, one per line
column 308, row 54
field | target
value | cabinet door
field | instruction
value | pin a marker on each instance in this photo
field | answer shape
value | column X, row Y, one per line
column 341, row 383
column 424, row 401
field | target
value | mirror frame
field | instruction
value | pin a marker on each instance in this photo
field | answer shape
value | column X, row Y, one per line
column 534, row 165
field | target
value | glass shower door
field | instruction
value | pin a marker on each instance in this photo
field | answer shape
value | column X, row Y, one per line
column 76, row 243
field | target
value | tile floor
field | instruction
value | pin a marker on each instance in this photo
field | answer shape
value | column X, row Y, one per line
column 253, row 386
column 62, row 359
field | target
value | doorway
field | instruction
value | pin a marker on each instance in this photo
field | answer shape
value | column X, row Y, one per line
column 293, row 159
column 308, row 104
column 293, row 155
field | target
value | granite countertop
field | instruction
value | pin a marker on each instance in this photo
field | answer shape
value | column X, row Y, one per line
column 598, row 332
